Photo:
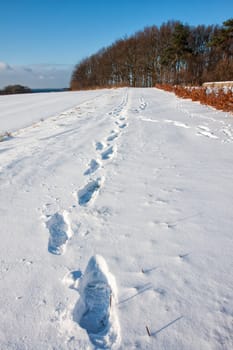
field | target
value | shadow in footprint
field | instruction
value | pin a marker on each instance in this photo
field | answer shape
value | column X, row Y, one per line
column 95, row 310
column 108, row 154
column 122, row 126
column 89, row 192
column 60, row 232
column 99, row 146
column 93, row 166
column 112, row 137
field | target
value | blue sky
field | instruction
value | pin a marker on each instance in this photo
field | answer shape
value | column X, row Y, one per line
column 42, row 40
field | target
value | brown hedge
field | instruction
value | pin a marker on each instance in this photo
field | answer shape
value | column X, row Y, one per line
column 219, row 99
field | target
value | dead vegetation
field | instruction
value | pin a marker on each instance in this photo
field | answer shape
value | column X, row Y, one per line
column 221, row 99
column 5, row 136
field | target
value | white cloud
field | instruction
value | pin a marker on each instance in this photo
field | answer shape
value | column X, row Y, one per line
column 4, row 66
column 36, row 75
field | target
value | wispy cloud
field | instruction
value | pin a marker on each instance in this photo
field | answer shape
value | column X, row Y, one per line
column 36, row 75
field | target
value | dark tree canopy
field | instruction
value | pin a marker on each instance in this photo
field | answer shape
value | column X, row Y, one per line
column 15, row 89
column 174, row 53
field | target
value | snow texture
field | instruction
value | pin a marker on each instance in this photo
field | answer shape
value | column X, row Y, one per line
column 116, row 222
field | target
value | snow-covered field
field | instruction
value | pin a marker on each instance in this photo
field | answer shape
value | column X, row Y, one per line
column 22, row 110
column 116, row 222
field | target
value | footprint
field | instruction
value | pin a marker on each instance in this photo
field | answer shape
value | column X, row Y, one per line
column 89, row 192
column 162, row 201
column 207, row 134
column 203, row 127
column 228, row 134
column 176, row 123
column 143, row 104
column 60, row 231
column 93, row 166
column 95, row 310
column 99, row 146
column 109, row 153
column 112, row 137
column 122, row 126
column 181, row 125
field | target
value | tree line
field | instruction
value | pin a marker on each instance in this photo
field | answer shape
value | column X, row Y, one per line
column 174, row 53
column 15, row 89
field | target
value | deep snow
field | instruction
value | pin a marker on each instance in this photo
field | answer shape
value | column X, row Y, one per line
column 116, row 215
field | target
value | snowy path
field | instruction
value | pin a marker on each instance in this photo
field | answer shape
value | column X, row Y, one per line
column 141, row 178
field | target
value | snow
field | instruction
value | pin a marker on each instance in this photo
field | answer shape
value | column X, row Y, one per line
column 18, row 111
column 116, row 212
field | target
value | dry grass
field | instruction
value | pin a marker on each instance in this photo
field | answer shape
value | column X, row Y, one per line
column 5, row 136
column 219, row 99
